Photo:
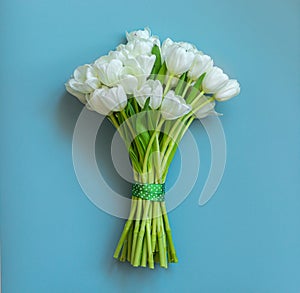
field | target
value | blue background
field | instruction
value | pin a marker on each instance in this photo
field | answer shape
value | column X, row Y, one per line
column 246, row 239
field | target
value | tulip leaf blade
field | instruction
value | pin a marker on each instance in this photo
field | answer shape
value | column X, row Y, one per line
column 143, row 135
column 200, row 80
column 146, row 106
column 196, row 88
column 134, row 160
column 157, row 64
column 162, row 73
column 130, row 111
column 181, row 82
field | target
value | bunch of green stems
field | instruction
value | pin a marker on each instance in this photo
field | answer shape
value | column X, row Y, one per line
column 152, row 143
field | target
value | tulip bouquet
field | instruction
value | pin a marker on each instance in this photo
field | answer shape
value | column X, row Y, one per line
column 151, row 93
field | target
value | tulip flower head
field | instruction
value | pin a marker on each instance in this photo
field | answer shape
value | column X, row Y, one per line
column 230, row 89
column 178, row 56
column 106, row 100
column 142, row 35
column 174, row 106
column 151, row 89
column 207, row 110
column 214, row 80
column 201, row 64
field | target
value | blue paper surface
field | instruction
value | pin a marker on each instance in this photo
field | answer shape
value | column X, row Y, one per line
column 245, row 239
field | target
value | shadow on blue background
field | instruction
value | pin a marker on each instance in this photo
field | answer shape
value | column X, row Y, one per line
column 246, row 239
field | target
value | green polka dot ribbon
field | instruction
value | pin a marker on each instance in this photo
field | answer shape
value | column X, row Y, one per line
column 151, row 191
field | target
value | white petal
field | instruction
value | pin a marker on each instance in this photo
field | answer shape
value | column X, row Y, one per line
column 113, row 70
column 93, row 83
column 174, row 106
column 165, row 47
column 79, row 86
column 228, row 91
column 214, row 80
column 106, row 100
column 129, row 83
column 146, row 63
column 80, row 73
column 205, row 110
column 178, row 59
column 201, row 64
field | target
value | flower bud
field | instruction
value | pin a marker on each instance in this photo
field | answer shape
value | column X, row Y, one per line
column 214, row 80
column 228, row 91
column 200, row 65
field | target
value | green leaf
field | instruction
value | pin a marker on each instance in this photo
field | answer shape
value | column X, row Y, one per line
column 157, row 64
column 120, row 118
column 146, row 106
column 196, row 88
column 199, row 81
column 142, row 129
column 162, row 73
column 180, row 86
column 135, row 161
column 130, row 111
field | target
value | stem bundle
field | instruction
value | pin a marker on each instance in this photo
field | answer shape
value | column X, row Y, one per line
column 147, row 236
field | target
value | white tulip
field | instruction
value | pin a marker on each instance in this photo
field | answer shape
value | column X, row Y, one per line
column 142, row 35
column 173, row 106
column 111, row 56
column 106, row 100
column 214, row 80
column 201, row 64
column 135, row 72
column 152, row 89
column 139, row 34
column 168, row 43
column 130, row 82
column 206, row 110
column 141, row 64
column 228, row 91
column 109, row 72
column 189, row 47
column 136, row 47
column 178, row 59
column 85, row 79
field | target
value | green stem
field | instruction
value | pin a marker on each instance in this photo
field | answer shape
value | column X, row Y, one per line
column 135, row 105
column 180, row 122
column 126, row 228
column 157, row 129
column 144, row 254
column 160, row 238
column 115, row 123
column 124, row 251
column 173, row 147
column 157, row 159
column 168, row 84
column 169, row 233
column 136, row 228
column 186, row 87
column 148, row 237
column 139, row 148
column 154, row 219
column 197, row 98
column 138, row 250
column 129, row 244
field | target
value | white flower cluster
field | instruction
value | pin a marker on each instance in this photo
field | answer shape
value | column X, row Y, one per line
column 106, row 85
